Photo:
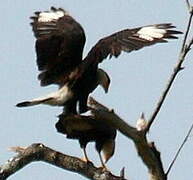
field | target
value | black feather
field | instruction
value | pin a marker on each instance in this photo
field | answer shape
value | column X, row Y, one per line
column 23, row 104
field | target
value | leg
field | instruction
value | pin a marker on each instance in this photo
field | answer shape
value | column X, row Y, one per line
column 102, row 162
column 98, row 146
column 85, row 155
column 83, row 104
column 70, row 108
column 83, row 144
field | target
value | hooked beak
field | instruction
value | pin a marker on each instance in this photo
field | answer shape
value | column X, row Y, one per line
column 106, row 87
column 103, row 79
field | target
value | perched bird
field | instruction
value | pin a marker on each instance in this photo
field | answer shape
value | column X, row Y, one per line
column 87, row 129
column 59, row 46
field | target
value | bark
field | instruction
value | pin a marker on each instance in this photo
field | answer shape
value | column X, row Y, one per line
column 147, row 151
column 39, row 152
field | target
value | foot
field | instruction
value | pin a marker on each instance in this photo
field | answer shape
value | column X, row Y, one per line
column 104, row 168
column 85, row 159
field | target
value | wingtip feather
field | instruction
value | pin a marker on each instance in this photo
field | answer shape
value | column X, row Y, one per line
column 23, row 104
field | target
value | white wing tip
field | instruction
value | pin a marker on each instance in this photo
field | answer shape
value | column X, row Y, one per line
column 151, row 32
column 53, row 14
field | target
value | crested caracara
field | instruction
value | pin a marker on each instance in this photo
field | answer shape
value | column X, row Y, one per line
column 59, row 46
column 87, row 129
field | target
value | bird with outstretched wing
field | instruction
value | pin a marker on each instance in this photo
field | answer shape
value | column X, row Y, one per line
column 59, row 47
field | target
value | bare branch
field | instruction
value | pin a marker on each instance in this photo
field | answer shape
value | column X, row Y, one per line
column 111, row 118
column 179, row 150
column 190, row 8
column 187, row 32
column 188, row 4
column 184, row 50
column 39, row 152
column 147, row 151
column 96, row 105
column 17, row 149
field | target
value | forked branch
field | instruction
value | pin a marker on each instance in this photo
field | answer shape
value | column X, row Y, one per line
column 146, row 150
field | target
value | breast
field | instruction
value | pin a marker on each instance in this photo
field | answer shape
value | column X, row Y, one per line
column 64, row 94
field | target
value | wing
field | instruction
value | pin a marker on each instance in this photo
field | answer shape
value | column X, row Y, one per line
column 79, row 123
column 59, row 45
column 129, row 40
column 74, row 123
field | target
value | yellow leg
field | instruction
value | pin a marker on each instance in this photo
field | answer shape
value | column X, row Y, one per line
column 102, row 162
column 85, row 158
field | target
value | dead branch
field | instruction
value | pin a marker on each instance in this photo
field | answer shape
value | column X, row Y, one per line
column 178, row 67
column 147, row 151
column 39, row 152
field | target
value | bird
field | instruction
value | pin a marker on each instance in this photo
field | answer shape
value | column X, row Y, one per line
column 59, row 47
column 87, row 129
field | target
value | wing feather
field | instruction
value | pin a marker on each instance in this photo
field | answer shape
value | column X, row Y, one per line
column 59, row 45
column 129, row 40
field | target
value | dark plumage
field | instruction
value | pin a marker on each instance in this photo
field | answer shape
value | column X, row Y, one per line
column 59, row 45
column 86, row 129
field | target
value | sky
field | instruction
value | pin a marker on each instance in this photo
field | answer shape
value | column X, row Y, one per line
column 137, row 80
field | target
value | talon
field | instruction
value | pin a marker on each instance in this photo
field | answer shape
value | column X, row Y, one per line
column 104, row 168
column 85, row 159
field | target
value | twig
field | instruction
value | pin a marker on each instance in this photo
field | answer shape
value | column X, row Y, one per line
column 184, row 50
column 179, row 150
column 187, row 31
column 188, row 6
column 93, row 104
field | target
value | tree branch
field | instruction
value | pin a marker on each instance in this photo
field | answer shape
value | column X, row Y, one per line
column 184, row 50
column 189, row 6
column 179, row 150
column 39, row 152
column 147, row 151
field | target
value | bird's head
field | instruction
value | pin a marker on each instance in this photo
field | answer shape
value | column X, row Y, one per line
column 103, row 79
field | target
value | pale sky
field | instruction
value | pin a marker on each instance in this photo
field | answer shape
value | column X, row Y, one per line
column 137, row 80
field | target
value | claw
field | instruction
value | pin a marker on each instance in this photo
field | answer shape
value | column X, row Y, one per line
column 102, row 163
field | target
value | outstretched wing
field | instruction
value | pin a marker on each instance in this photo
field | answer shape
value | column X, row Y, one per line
column 59, row 45
column 129, row 40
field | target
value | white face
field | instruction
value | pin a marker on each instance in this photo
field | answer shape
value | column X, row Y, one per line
column 151, row 32
column 50, row 16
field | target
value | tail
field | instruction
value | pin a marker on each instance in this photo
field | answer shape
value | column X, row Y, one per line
column 33, row 102
column 108, row 149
